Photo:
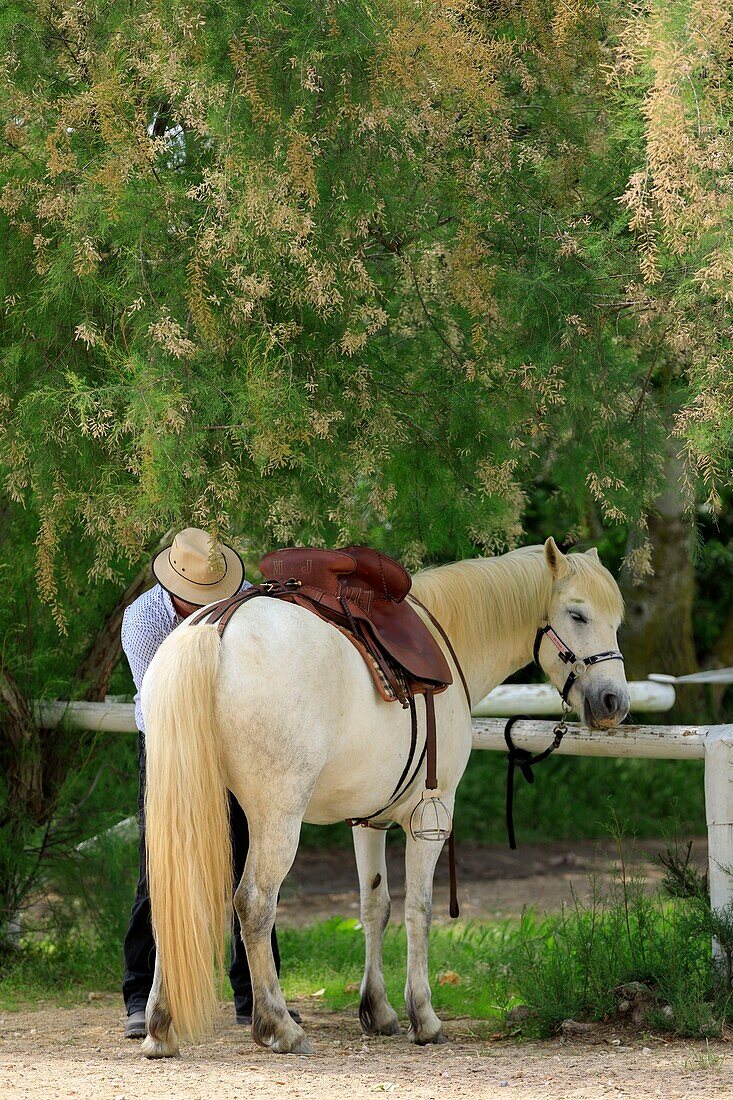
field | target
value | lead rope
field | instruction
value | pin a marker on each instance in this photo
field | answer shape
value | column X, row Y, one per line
column 525, row 761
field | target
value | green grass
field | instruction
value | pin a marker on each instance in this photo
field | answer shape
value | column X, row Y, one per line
column 569, row 965
column 59, row 969
column 470, row 958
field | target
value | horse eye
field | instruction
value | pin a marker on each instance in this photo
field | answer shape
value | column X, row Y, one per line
column 577, row 617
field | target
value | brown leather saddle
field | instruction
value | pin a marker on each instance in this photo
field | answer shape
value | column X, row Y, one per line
column 364, row 592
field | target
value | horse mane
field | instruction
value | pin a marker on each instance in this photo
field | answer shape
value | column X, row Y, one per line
column 480, row 600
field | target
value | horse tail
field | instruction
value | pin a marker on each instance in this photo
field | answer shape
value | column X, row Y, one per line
column 187, row 825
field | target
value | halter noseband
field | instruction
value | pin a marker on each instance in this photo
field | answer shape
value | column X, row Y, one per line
column 579, row 664
column 521, row 757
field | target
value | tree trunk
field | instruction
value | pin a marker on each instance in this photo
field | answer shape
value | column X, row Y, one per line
column 96, row 668
column 657, row 635
column 19, row 749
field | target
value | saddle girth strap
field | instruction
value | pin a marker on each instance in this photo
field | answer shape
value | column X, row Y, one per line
column 431, row 770
column 431, row 784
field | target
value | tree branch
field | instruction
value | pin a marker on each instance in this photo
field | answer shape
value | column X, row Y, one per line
column 17, row 716
column 97, row 666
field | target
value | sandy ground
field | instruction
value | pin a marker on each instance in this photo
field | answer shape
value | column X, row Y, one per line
column 79, row 1052
column 49, row 1051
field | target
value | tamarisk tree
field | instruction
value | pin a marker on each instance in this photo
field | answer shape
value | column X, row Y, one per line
column 326, row 271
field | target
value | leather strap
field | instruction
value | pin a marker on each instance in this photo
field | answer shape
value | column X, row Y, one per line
column 446, row 639
column 220, row 614
column 567, row 657
column 431, row 771
column 453, row 908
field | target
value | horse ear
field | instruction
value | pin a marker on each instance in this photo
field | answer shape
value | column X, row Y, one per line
column 555, row 559
column 593, row 553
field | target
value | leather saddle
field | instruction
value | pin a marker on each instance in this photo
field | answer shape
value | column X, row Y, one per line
column 363, row 592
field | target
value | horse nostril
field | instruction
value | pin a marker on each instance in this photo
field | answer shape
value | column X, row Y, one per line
column 610, row 702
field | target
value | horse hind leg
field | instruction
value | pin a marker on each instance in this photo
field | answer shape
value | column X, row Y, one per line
column 272, row 846
column 421, row 857
column 375, row 1012
column 161, row 1040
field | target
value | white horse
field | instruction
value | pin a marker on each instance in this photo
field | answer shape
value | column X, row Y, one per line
column 283, row 712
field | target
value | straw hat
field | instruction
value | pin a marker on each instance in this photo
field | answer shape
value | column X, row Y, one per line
column 188, row 569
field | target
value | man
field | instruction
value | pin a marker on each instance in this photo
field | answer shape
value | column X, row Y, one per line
column 190, row 573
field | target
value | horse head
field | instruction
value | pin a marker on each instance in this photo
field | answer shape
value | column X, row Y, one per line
column 577, row 647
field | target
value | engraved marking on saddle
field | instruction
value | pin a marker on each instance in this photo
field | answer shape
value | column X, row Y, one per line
column 362, row 597
column 277, row 568
column 307, row 566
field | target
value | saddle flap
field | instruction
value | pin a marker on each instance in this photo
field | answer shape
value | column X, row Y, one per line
column 410, row 642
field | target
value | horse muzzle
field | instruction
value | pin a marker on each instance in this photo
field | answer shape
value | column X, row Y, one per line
column 606, row 705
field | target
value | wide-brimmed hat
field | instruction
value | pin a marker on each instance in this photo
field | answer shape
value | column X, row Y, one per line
column 198, row 570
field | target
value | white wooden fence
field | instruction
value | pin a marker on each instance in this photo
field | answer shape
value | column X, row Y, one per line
column 713, row 744
column 507, row 699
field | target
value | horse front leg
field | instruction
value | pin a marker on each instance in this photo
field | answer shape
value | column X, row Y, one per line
column 273, row 843
column 421, row 857
column 375, row 1012
column 161, row 1040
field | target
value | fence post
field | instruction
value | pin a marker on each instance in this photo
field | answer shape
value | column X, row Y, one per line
column 719, row 812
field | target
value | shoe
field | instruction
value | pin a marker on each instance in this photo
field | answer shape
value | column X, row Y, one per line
column 135, row 1025
column 245, row 1018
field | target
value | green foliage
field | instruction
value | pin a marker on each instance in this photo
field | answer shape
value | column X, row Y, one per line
column 335, row 268
column 573, row 967
column 574, row 797
column 38, row 860
column 59, row 968
column 95, row 886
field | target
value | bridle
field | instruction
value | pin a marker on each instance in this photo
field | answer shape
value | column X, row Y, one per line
column 579, row 665
column 522, row 758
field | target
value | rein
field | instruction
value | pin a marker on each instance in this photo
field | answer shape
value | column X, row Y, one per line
column 522, row 758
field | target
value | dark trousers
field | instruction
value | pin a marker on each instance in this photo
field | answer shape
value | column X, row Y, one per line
column 139, row 949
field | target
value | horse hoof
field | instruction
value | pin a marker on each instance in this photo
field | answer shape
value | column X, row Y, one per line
column 392, row 1027
column 437, row 1039
column 302, row 1045
column 157, row 1048
column 389, row 1026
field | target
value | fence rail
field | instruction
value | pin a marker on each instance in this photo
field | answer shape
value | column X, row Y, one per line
column 538, row 699
column 656, row 742
column 507, row 699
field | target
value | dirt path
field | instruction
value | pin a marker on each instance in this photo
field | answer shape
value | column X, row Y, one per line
column 492, row 880
column 79, row 1052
